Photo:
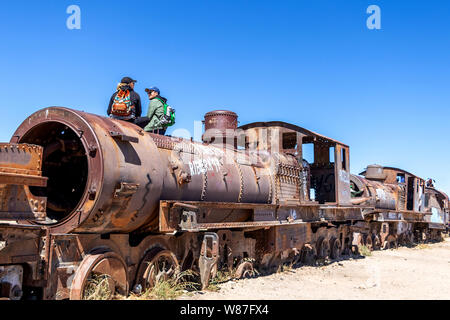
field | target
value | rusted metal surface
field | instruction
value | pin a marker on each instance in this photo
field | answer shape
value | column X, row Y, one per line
column 20, row 169
column 221, row 120
column 22, row 159
column 208, row 257
column 11, row 282
column 436, row 207
column 20, row 243
column 190, row 216
column 220, row 128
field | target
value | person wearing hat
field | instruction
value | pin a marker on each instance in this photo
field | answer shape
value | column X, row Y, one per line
column 125, row 103
column 155, row 111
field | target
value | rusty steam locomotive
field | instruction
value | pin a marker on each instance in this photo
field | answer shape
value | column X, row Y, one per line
column 84, row 195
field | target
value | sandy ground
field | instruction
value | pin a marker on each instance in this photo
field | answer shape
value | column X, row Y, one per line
column 404, row 273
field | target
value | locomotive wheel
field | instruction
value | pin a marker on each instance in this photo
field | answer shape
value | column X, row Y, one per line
column 157, row 265
column 409, row 238
column 394, row 244
column 404, row 239
column 390, row 243
column 376, row 242
column 245, row 270
column 431, row 235
column 436, row 235
column 335, row 246
column 297, row 259
column 357, row 241
column 323, row 248
column 99, row 277
column 425, row 236
column 420, row 236
column 347, row 247
column 369, row 242
column 400, row 239
column 307, row 255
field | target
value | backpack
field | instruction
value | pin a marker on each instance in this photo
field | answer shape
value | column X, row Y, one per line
column 168, row 118
column 122, row 106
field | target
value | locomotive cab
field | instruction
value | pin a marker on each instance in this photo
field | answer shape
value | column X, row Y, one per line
column 324, row 162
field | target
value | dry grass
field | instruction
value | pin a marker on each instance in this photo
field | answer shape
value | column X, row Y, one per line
column 163, row 290
column 364, row 251
column 169, row 289
column 97, row 288
column 285, row 267
column 421, row 246
column 221, row 277
column 185, row 282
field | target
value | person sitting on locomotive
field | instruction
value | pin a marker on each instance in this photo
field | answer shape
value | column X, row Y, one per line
column 125, row 103
column 159, row 115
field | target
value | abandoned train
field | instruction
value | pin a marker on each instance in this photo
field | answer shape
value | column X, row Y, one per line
column 84, row 195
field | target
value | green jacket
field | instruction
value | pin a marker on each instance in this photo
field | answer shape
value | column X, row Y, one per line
column 155, row 113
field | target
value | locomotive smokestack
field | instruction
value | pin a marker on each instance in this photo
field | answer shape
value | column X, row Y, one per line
column 375, row 172
column 220, row 128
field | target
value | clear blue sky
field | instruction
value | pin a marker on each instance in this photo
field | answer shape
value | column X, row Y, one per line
column 313, row 63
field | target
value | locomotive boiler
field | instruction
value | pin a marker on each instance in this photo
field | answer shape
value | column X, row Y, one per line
column 84, row 195
column 108, row 176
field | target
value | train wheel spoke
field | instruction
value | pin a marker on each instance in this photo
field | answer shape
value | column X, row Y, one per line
column 156, row 266
column 335, row 245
